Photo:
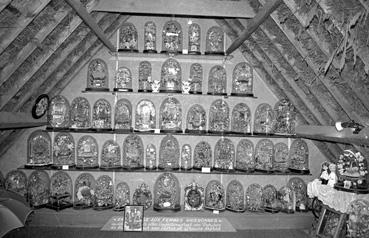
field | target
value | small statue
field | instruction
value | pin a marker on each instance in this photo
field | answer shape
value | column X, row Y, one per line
column 324, row 176
column 155, row 86
column 332, row 178
column 186, row 87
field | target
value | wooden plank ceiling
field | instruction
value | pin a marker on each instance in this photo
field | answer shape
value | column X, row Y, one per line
column 314, row 53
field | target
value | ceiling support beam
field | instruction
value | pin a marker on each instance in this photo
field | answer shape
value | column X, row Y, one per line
column 203, row 8
column 86, row 17
column 260, row 17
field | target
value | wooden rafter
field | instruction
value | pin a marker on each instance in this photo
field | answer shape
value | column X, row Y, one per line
column 260, row 17
column 3, row 4
column 82, row 12
column 203, row 8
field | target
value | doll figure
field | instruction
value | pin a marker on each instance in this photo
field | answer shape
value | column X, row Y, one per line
column 332, row 178
column 324, row 176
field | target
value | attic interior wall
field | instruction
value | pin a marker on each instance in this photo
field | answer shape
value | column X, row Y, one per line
column 17, row 154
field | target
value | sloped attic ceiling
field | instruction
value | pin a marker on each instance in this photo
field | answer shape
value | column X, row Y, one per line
column 315, row 53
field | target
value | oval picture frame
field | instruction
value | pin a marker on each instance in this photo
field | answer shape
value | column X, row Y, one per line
column 41, row 106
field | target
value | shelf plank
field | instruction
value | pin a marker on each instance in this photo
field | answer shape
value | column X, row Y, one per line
column 329, row 133
column 18, row 120
column 203, row 8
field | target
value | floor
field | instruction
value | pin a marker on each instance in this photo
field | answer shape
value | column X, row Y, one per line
column 59, row 232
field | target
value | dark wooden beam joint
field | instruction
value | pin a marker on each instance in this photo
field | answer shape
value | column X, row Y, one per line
column 90, row 22
column 255, row 22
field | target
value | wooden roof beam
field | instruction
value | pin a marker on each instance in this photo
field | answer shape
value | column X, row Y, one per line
column 3, row 4
column 260, row 17
column 90, row 22
column 203, row 8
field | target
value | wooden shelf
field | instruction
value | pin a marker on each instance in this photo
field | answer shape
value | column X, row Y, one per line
column 329, row 133
column 19, row 120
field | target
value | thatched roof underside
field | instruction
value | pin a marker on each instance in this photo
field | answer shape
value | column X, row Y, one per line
column 314, row 53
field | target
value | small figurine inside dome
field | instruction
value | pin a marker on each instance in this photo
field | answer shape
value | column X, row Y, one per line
column 324, row 175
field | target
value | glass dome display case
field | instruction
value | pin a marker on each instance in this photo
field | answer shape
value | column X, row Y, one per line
column 104, row 191
column 16, row 181
column 150, row 37
column 196, row 78
column 235, row 197
column 186, row 157
column 286, row 197
column 224, row 155
column 167, row 193
column 38, row 189
column 269, row 199
column 97, row 76
column 241, row 119
column 170, row 115
column 281, row 158
column 194, row 197
column 110, row 155
column 285, row 117
column 172, row 38
column 202, row 156
column 215, row 41
column 39, row 149
column 123, row 116
column 133, row 152
column 215, row 196
column 299, row 157
column 194, row 39
column 151, row 160
column 80, row 114
column 61, row 191
column 123, row 80
column 242, row 80
column 144, row 77
column 121, row 196
column 219, row 117
column 84, row 191
column 87, row 153
column 217, row 82
column 253, row 197
column 142, row 196
column 264, row 152
column 196, row 119
column 299, row 187
column 64, row 150
column 263, row 119
column 101, row 115
column 169, row 153
column 245, row 160
column 171, row 76
column 128, row 38
column 145, row 118
column 58, row 116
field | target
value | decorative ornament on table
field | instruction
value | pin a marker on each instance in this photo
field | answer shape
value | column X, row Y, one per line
column 245, row 160
column 133, row 152
column 110, row 155
column 121, row 196
column 144, row 77
column 352, row 172
column 38, row 189
column 253, row 197
column 196, row 76
column 215, row 41
column 263, row 120
column 39, row 149
column 235, row 197
column 186, row 157
column 123, row 116
column 142, row 196
column 224, row 155
column 324, row 174
column 150, row 157
column 101, row 115
column 215, row 196
column 194, row 197
column 358, row 219
column 241, row 119
column 150, row 37
column 87, row 153
column 128, row 38
column 299, row 157
column 58, row 116
column 196, row 119
column 104, row 192
column 97, row 76
column 123, row 80
column 61, row 191
column 41, row 106
column 170, row 115
column 172, row 38
column 217, row 82
column 285, row 117
column 169, row 153
column 194, row 39
column 155, row 86
column 264, row 155
column 64, row 150
column 242, row 80
column 186, row 86
column 84, row 190
column 171, row 76
column 202, row 156
column 167, row 193
column 16, row 181
column 219, row 117
column 80, row 114
column 145, row 118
